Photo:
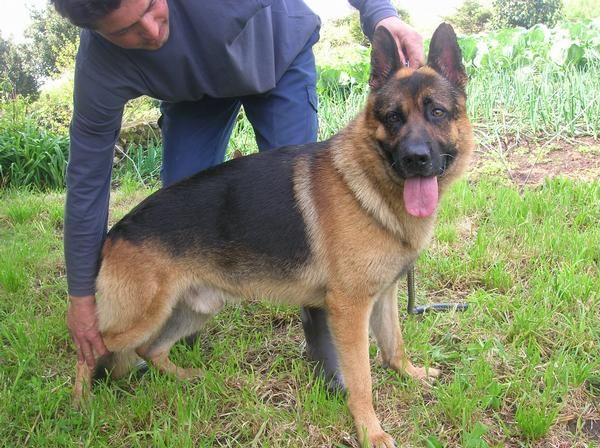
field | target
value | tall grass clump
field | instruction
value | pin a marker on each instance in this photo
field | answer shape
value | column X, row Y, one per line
column 538, row 82
column 30, row 156
column 543, row 102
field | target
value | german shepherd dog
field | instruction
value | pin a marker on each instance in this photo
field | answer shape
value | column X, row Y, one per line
column 331, row 224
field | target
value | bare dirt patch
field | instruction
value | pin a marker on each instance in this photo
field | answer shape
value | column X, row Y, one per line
column 529, row 163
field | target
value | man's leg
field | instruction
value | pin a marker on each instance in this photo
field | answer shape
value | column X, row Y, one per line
column 195, row 135
column 287, row 115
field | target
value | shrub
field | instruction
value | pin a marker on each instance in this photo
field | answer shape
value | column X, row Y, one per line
column 54, row 107
column 16, row 74
column 526, row 13
column 471, row 17
column 30, row 156
column 352, row 21
column 53, row 39
column 581, row 9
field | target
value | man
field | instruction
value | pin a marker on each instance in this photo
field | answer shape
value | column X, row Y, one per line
column 204, row 60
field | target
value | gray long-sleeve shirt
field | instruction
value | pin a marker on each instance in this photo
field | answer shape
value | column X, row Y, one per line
column 221, row 49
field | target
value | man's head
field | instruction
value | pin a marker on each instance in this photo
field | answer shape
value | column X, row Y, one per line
column 133, row 24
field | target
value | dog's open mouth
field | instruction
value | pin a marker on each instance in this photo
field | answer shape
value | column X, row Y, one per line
column 420, row 189
column 421, row 196
column 421, row 192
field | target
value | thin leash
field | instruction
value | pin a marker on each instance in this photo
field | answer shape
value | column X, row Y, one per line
column 420, row 309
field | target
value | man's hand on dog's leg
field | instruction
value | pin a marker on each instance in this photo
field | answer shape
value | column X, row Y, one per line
column 408, row 41
column 83, row 327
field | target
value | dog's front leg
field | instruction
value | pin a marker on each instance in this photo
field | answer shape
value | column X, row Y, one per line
column 385, row 324
column 349, row 324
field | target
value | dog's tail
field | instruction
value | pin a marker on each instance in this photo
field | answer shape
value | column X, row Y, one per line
column 116, row 364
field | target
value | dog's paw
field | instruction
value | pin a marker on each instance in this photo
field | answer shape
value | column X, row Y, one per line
column 189, row 374
column 426, row 374
column 81, row 398
column 381, row 439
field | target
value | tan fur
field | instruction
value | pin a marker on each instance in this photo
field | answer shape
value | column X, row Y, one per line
column 361, row 239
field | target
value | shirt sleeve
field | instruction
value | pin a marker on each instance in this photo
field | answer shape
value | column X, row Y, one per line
column 372, row 12
column 94, row 131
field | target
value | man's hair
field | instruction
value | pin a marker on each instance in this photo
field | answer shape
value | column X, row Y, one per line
column 85, row 13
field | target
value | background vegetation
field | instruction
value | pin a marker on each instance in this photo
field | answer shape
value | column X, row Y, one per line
column 518, row 240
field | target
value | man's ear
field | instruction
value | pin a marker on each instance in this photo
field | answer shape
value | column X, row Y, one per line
column 445, row 56
column 385, row 60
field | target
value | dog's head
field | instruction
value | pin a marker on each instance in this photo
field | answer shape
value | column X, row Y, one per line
column 420, row 117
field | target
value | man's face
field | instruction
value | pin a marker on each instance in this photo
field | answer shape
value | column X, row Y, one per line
column 137, row 24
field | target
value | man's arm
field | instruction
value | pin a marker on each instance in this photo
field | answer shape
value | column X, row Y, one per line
column 93, row 133
column 375, row 13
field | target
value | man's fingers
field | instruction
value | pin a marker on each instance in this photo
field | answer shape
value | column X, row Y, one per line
column 75, row 340
column 415, row 60
column 411, row 54
column 88, row 354
column 408, row 41
column 80, row 357
column 99, row 346
column 403, row 59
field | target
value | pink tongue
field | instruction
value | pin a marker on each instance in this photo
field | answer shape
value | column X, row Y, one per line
column 421, row 196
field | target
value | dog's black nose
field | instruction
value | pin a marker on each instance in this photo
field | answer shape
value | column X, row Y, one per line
column 417, row 159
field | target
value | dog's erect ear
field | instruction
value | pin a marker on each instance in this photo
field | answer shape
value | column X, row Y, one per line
column 385, row 60
column 445, row 56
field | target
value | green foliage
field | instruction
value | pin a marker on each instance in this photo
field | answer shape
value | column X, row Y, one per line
column 581, row 9
column 16, row 73
column 352, row 21
column 54, row 41
column 338, row 45
column 343, row 77
column 30, row 156
column 567, row 44
column 404, row 15
column 54, row 107
column 539, row 48
column 534, row 420
column 514, row 77
column 526, row 13
column 471, row 17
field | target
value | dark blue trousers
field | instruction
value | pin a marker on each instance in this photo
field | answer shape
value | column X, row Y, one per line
column 196, row 134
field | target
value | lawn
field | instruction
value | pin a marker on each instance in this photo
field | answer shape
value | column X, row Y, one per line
column 520, row 367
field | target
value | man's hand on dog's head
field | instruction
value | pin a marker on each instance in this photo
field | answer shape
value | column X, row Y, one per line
column 408, row 41
column 83, row 327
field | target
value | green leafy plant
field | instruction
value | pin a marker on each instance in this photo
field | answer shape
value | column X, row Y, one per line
column 471, row 17
column 30, row 156
column 526, row 13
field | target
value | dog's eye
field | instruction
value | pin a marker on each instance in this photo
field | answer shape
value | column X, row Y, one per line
column 393, row 117
column 438, row 112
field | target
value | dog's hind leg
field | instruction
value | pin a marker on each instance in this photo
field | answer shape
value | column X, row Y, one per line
column 183, row 322
column 385, row 325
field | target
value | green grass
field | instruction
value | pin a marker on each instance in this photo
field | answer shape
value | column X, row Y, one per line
column 521, row 358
